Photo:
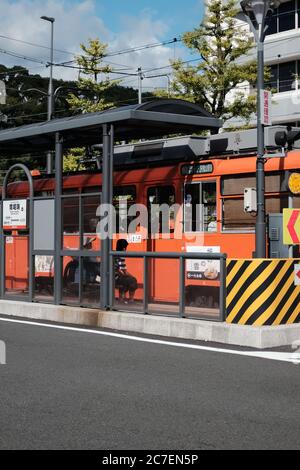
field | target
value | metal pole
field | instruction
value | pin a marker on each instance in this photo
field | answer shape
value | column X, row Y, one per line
column 140, row 75
column 146, row 287
column 2, row 256
column 50, row 107
column 31, row 270
column 291, row 206
column 182, row 287
column 223, row 289
column 260, row 231
column 111, row 269
column 50, row 90
column 105, row 295
column 169, row 85
column 58, row 216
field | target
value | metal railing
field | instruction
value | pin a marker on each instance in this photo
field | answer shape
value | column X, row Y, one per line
column 182, row 257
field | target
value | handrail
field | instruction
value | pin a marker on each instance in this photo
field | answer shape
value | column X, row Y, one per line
column 168, row 255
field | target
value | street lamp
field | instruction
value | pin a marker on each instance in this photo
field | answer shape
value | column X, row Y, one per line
column 50, row 89
column 258, row 14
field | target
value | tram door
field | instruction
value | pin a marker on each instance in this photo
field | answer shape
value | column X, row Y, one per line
column 164, row 273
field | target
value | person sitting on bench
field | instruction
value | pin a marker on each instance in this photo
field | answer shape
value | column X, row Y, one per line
column 125, row 282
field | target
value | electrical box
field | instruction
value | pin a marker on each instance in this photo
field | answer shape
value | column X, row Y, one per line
column 250, row 200
column 276, row 247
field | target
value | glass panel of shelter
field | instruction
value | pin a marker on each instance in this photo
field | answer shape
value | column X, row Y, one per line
column 43, row 249
column 81, row 253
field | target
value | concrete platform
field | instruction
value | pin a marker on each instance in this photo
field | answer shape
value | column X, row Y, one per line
column 249, row 336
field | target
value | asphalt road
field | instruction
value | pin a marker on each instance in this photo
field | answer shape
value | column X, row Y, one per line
column 62, row 389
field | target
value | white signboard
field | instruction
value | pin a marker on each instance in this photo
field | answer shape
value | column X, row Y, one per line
column 297, row 274
column 44, row 264
column 134, row 239
column 15, row 214
column 266, row 107
column 203, row 269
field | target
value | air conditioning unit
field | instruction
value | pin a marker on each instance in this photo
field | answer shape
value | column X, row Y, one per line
column 250, row 200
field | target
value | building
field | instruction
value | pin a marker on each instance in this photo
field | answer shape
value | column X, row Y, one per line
column 282, row 55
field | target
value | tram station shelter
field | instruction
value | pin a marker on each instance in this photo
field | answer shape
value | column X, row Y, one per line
column 155, row 119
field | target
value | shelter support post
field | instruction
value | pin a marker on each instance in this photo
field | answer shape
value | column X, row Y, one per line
column 58, row 222
column 106, row 201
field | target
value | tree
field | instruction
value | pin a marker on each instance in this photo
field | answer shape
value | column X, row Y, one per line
column 219, row 42
column 94, row 92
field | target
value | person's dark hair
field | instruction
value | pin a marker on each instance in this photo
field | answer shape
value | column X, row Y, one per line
column 122, row 245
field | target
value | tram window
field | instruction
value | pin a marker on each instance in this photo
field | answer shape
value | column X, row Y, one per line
column 90, row 205
column 70, row 190
column 70, row 219
column 296, row 202
column 91, row 189
column 234, row 216
column 200, row 207
column 44, row 193
column 124, row 198
column 235, row 185
column 276, row 204
column 158, row 196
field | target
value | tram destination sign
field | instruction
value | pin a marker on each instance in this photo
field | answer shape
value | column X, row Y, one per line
column 197, row 169
column 14, row 214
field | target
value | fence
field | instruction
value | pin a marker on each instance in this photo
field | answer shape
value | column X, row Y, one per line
column 148, row 304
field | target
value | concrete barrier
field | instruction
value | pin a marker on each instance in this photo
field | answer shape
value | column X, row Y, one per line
column 263, row 292
column 198, row 330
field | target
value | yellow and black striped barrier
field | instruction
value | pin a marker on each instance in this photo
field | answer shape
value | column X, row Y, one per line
column 262, row 292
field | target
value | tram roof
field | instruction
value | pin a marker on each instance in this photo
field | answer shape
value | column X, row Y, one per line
column 157, row 118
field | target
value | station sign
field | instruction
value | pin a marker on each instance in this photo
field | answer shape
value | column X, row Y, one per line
column 197, row 169
column 291, row 226
column 14, row 214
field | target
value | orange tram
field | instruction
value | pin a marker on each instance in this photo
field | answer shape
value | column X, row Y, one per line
column 210, row 172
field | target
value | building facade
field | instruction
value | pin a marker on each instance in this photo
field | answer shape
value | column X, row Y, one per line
column 282, row 55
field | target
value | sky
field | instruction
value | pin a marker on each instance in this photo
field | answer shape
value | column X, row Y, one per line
column 121, row 24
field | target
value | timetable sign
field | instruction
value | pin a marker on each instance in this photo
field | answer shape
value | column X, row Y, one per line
column 15, row 214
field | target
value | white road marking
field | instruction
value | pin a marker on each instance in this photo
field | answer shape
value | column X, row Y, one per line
column 291, row 357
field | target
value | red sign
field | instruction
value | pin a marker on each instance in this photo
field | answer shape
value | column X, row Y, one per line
column 266, row 101
column 291, row 227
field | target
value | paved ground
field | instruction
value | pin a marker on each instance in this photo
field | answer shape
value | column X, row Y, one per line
column 73, row 390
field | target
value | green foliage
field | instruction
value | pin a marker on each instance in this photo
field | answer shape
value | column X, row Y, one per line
column 219, row 43
column 26, row 104
column 93, row 92
column 72, row 160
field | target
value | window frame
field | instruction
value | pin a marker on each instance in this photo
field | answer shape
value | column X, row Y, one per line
column 200, row 182
column 279, row 14
column 160, row 186
column 126, row 187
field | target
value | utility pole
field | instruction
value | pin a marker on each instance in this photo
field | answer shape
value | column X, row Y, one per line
column 140, row 84
column 50, row 109
column 3, row 117
column 258, row 14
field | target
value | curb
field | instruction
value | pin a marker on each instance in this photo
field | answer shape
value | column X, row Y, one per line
column 198, row 330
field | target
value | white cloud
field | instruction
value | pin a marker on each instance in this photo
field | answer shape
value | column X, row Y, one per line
column 75, row 23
